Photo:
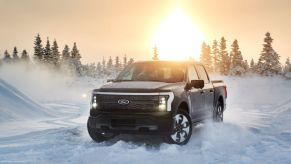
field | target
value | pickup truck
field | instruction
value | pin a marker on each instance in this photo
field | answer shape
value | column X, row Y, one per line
column 156, row 97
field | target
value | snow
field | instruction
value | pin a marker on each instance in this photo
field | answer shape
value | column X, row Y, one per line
column 17, row 106
column 256, row 129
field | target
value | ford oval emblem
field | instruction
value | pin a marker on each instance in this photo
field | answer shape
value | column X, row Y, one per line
column 123, row 101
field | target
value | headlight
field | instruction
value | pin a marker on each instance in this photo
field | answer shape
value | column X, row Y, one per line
column 163, row 103
column 94, row 103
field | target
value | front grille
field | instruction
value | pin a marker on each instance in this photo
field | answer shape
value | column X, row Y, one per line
column 136, row 102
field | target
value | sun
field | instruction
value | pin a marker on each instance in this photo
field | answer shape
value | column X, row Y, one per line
column 178, row 38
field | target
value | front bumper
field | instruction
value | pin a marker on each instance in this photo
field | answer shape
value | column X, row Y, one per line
column 159, row 123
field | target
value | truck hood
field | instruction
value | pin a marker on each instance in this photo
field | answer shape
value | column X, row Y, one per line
column 138, row 86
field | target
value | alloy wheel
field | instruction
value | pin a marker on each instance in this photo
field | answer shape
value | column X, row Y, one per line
column 181, row 128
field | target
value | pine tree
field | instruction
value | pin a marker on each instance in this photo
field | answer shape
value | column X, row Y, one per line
column 103, row 66
column 252, row 66
column 38, row 49
column 205, row 57
column 47, row 52
column 117, row 64
column 287, row 66
column 55, row 54
column 215, row 56
column 66, row 54
column 99, row 68
column 15, row 54
column 224, row 58
column 156, row 55
column 7, row 57
column 131, row 60
column 246, row 65
column 124, row 61
column 110, row 64
column 91, row 70
column 76, row 59
column 268, row 63
column 24, row 56
column 66, row 61
column 238, row 65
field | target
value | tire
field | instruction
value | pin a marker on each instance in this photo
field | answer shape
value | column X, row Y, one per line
column 218, row 112
column 182, row 129
column 99, row 137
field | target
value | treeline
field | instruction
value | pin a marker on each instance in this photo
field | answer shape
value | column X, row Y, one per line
column 67, row 61
column 218, row 60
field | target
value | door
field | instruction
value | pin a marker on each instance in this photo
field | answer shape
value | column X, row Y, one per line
column 196, row 97
column 208, row 91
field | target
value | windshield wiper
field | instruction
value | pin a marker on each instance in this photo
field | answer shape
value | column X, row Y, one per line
column 122, row 80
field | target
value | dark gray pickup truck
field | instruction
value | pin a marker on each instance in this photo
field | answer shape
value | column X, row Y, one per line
column 156, row 97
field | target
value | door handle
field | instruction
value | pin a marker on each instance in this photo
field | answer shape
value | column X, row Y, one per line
column 211, row 90
column 202, row 91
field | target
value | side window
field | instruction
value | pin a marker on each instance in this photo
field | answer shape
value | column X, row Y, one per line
column 202, row 73
column 192, row 74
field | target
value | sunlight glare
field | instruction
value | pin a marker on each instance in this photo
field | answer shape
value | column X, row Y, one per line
column 178, row 38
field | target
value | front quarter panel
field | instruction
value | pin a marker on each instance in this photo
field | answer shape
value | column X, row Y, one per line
column 180, row 96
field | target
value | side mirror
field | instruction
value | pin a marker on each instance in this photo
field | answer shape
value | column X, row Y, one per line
column 199, row 84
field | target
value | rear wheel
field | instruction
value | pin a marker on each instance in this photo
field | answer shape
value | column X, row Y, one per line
column 182, row 129
column 97, row 136
column 218, row 112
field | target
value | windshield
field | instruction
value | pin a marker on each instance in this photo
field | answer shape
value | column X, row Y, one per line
column 169, row 72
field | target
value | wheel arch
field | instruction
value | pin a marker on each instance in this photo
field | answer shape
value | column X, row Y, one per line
column 221, row 100
column 184, row 105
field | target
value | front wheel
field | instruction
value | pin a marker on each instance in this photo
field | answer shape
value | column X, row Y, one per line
column 182, row 129
column 97, row 136
column 218, row 112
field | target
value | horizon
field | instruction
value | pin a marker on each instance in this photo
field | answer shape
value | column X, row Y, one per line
column 114, row 28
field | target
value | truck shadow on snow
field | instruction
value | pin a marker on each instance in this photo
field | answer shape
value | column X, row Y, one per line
column 151, row 141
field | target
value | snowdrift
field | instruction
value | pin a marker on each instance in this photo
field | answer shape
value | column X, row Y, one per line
column 15, row 105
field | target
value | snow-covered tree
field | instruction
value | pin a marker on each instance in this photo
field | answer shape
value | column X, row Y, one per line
column 287, row 67
column 99, row 68
column 76, row 59
column 89, row 70
column 268, row 63
column 109, row 67
column 66, row 54
column 7, row 57
column 238, row 66
column 66, row 61
column 156, row 55
column 117, row 64
column 224, row 58
column 103, row 66
column 38, row 49
column 246, row 65
column 24, row 56
column 205, row 57
column 215, row 56
column 124, row 61
column 55, row 54
column 131, row 60
column 15, row 55
column 252, row 64
column 47, row 52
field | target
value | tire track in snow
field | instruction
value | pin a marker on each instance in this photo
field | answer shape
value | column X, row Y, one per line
column 258, row 117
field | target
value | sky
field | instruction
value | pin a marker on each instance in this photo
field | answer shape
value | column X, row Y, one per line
column 104, row 28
